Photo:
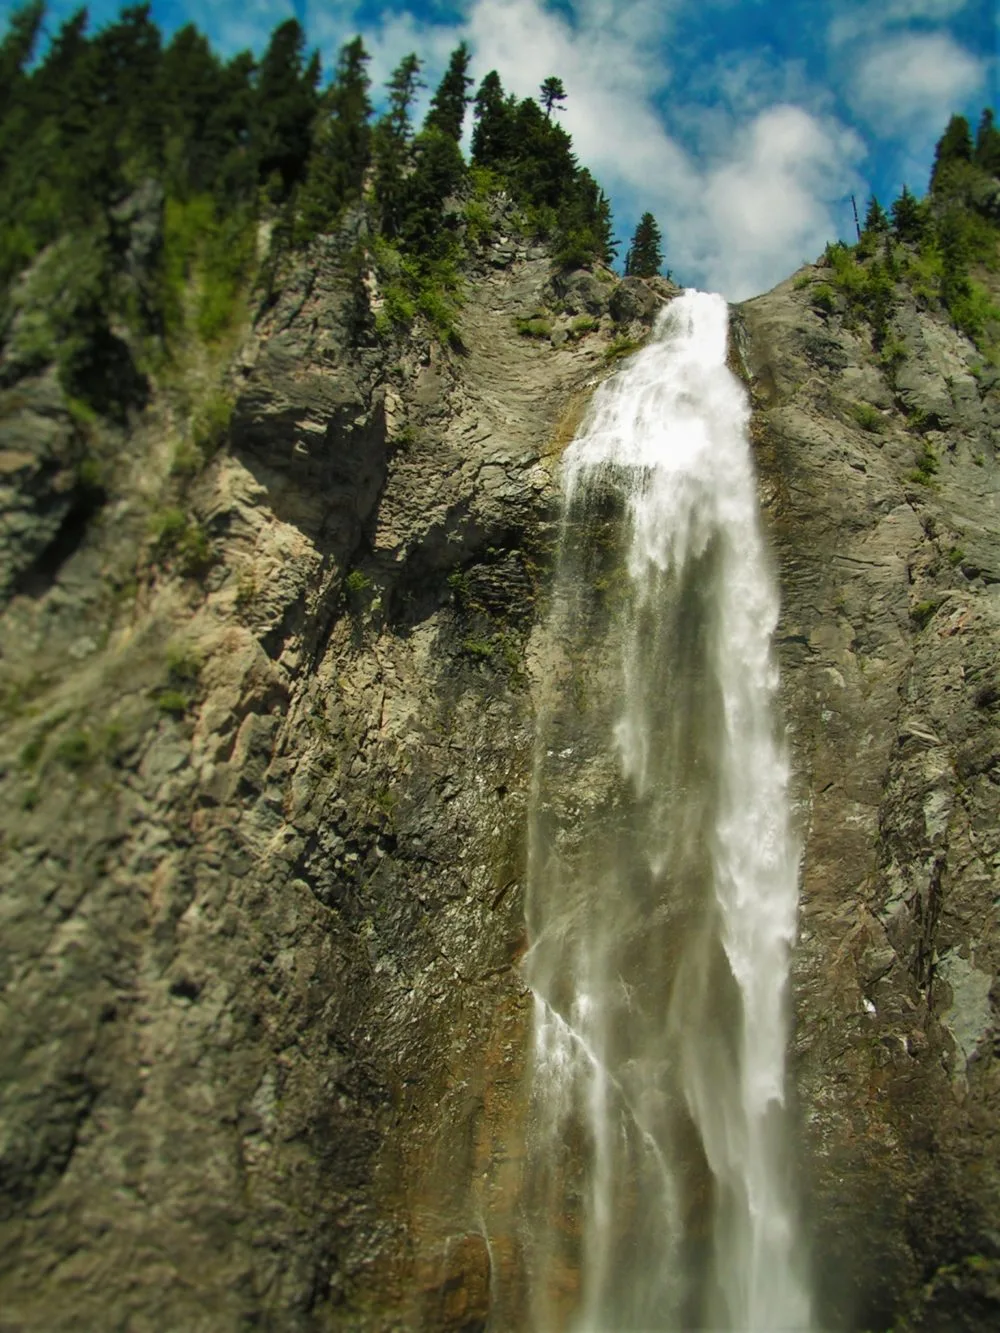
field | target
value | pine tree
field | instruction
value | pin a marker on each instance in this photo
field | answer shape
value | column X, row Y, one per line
column 285, row 103
column 876, row 218
column 551, row 92
column 448, row 104
column 987, row 154
column 494, row 114
column 391, row 142
column 908, row 217
column 17, row 48
column 341, row 143
column 954, row 146
column 644, row 257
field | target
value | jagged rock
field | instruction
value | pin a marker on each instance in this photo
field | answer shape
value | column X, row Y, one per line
column 581, row 293
column 632, row 299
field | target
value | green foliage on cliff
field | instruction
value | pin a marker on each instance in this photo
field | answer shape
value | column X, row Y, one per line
column 945, row 247
column 143, row 170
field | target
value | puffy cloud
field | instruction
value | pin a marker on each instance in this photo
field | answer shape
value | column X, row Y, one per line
column 736, row 213
column 773, row 203
column 908, row 83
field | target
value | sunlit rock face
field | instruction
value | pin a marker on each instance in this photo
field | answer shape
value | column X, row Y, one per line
column 268, row 1044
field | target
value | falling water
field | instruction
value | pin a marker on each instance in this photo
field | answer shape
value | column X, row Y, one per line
column 662, row 894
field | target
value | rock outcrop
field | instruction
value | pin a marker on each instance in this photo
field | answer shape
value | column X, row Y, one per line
column 266, row 760
column 879, row 486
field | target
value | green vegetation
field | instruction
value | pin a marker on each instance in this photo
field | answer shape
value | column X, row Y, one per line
column 357, row 583
column 183, row 672
column 927, row 466
column 622, row 345
column 644, row 257
column 140, row 173
column 868, row 418
column 922, row 613
column 943, row 247
column 539, row 326
column 180, row 542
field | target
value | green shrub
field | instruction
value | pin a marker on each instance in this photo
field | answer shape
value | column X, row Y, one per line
column 180, row 540
column 211, row 248
column 868, row 418
column 583, row 324
column 621, row 346
column 536, row 327
column 927, row 466
column 357, row 583
column 477, row 648
column 210, row 427
column 922, row 613
column 174, row 703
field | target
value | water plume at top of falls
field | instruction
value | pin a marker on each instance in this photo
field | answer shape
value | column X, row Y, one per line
column 663, row 873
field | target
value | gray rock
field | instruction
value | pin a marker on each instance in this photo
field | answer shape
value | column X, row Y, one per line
column 632, row 300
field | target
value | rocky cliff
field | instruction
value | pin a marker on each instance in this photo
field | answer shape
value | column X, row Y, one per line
column 269, row 678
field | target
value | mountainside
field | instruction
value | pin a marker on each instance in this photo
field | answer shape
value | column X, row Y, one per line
column 271, row 650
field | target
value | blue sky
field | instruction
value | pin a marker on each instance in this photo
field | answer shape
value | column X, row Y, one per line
column 743, row 125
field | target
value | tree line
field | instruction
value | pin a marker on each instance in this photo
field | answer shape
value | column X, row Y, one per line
column 99, row 113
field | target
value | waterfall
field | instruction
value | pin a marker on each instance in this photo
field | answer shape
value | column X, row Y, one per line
column 662, row 873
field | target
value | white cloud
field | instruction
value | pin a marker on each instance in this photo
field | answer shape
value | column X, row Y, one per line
column 774, row 202
column 909, row 83
column 741, row 212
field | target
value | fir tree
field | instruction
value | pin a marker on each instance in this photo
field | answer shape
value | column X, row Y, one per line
column 285, row 103
column 954, row 146
column 987, row 154
column 494, row 115
column 876, row 218
column 551, row 92
column 644, row 257
column 341, row 147
column 448, row 104
column 908, row 217
column 17, row 48
column 391, row 143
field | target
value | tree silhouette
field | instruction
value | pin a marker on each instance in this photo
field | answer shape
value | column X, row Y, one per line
column 551, row 92
column 644, row 257
column 448, row 104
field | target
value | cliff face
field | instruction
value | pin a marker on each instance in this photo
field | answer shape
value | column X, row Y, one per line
column 266, row 760
column 880, row 492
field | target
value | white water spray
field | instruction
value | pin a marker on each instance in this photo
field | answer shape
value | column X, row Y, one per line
column 662, row 893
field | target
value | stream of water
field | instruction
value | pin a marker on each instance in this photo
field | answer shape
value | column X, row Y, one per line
column 663, row 873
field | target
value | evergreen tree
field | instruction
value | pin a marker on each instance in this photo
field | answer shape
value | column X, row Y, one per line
column 644, row 257
column 341, row 149
column 195, row 142
column 908, row 217
column 437, row 175
column 448, row 104
column 285, row 104
column 987, row 154
column 494, row 115
column 17, row 48
column 391, row 143
column 954, row 146
column 876, row 218
column 551, row 92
